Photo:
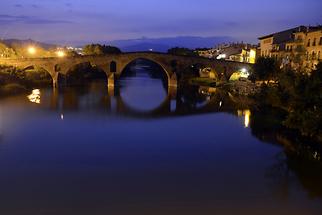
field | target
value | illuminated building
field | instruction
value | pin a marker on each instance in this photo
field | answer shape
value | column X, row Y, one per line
column 299, row 48
column 239, row 52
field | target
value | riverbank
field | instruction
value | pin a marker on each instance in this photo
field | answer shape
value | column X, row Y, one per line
column 299, row 97
column 242, row 87
column 14, row 81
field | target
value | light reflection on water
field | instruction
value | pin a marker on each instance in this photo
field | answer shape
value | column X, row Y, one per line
column 247, row 115
column 84, row 151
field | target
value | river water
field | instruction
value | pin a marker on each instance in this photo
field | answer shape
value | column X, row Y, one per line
column 139, row 149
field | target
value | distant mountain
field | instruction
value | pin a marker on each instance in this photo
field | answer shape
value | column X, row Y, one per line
column 163, row 44
column 132, row 45
column 21, row 43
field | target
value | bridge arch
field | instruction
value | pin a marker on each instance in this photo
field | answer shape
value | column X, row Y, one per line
column 127, row 63
column 169, row 81
column 84, row 70
column 40, row 73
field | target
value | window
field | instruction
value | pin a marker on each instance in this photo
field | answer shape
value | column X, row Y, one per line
column 313, row 55
column 307, row 56
column 314, row 42
column 319, row 55
column 309, row 43
column 320, row 43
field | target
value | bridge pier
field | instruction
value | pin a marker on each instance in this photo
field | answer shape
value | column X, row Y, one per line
column 173, row 86
column 173, row 81
column 55, row 79
column 111, row 80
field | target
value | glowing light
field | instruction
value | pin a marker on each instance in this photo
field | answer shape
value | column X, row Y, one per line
column 244, row 73
column 32, row 50
column 34, row 97
column 221, row 56
column 62, row 116
column 220, row 103
column 247, row 115
column 60, row 53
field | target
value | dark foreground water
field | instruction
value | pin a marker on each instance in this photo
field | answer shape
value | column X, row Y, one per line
column 91, row 150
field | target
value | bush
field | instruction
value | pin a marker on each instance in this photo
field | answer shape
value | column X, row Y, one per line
column 97, row 49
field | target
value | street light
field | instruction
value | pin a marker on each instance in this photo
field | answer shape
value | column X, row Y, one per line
column 60, row 53
column 32, row 50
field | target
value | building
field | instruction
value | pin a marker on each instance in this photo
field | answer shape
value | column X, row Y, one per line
column 238, row 52
column 206, row 52
column 298, row 48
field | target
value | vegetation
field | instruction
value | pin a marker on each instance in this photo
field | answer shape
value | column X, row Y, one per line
column 97, row 49
column 265, row 69
column 182, row 51
column 6, row 52
column 300, row 95
column 13, row 80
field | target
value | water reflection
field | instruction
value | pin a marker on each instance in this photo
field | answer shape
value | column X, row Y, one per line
column 134, row 91
column 190, row 152
column 246, row 114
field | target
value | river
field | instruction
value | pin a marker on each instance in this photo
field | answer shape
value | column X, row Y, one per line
column 138, row 149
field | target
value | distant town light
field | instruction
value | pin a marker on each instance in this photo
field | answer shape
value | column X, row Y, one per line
column 31, row 50
column 221, row 56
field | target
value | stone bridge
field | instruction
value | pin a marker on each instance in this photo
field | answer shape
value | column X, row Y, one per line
column 114, row 64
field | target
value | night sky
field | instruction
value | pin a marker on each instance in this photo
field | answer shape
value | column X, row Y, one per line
column 70, row 21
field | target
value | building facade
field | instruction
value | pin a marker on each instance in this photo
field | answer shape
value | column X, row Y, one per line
column 298, row 48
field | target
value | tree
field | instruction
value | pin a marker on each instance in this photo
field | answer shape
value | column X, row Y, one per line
column 265, row 69
column 97, row 49
column 182, row 51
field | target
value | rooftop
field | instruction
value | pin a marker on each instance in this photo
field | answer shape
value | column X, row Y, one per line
column 286, row 32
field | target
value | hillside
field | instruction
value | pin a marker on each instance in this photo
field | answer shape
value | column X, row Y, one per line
column 19, row 48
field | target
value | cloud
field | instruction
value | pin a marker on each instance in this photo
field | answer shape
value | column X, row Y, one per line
column 9, row 19
column 18, row 5
column 35, row 6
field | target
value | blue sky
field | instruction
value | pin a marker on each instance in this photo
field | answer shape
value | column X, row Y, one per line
column 68, row 21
